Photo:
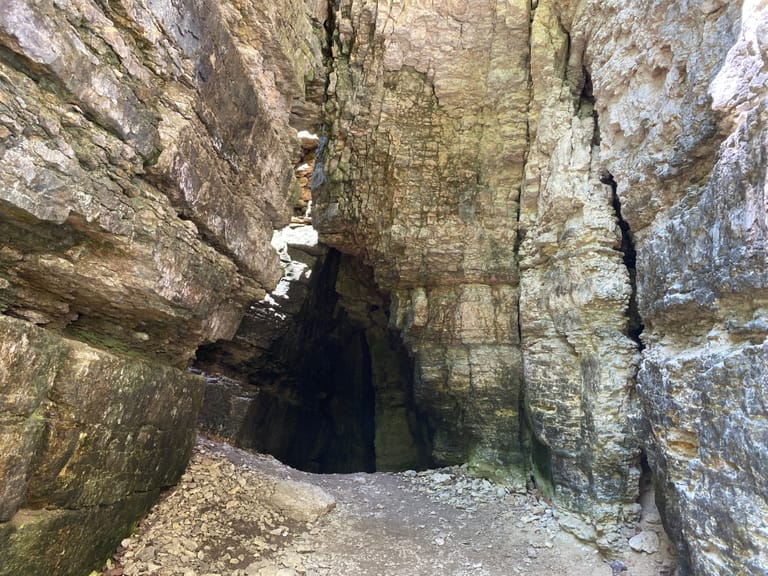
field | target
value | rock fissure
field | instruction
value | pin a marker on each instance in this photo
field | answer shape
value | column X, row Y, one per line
column 482, row 291
column 634, row 321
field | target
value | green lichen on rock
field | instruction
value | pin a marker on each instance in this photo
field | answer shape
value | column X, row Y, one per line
column 67, row 542
column 89, row 439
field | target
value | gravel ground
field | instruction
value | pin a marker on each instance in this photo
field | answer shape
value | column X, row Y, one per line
column 235, row 513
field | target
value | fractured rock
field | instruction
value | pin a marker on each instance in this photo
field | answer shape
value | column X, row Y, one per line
column 646, row 541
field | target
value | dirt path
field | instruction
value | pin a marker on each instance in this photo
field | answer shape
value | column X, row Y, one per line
column 240, row 514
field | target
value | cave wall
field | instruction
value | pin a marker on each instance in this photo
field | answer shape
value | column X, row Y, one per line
column 600, row 167
column 146, row 155
column 561, row 205
column 575, row 292
column 427, row 136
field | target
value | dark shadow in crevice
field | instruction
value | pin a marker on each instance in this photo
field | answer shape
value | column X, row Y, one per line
column 634, row 321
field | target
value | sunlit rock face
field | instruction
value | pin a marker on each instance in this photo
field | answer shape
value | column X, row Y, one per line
column 681, row 97
column 427, row 136
column 576, row 287
column 146, row 156
column 566, row 202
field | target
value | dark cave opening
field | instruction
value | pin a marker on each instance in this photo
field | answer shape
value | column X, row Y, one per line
column 333, row 393
column 649, row 498
column 627, row 248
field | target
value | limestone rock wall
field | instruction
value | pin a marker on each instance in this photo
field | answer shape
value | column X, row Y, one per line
column 685, row 139
column 566, row 202
column 562, row 205
column 425, row 155
column 579, row 358
column 150, row 151
column 88, row 440
column 146, row 155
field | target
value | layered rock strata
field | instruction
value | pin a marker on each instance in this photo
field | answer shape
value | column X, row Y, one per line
column 694, row 191
column 579, row 359
column 680, row 95
column 433, row 113
column 560, row 206
column 426, row 146
column 146, row 155
column 606, row 176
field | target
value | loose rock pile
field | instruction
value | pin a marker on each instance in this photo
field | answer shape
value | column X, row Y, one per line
column 222, row 518
column 240, row 514
column 455, row 487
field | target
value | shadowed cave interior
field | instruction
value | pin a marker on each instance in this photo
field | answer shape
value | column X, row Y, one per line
column 333, row 393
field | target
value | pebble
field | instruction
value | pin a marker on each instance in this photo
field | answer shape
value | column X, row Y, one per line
column 617, row 567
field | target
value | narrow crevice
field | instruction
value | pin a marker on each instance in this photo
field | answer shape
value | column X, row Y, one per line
column 538, row 454
column 634, row 321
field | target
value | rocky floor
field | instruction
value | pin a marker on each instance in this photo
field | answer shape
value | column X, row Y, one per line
column 239, row 514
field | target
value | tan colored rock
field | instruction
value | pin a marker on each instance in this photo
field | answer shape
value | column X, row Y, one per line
column 494, row 163
column 575, row 289
column 643, row 128
column 299, row 501
column 681, row 99
column 424, row 163
column 153, row 190
column 146, row 155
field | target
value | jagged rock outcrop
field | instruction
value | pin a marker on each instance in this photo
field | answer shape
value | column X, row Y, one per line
column 685, row 139
column 575, row 289
column 146, row 155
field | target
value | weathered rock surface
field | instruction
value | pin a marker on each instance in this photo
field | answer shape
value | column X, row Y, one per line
column 135, row 193
column 579, row 359
column 89, row 439
column 684, row 136
column 146, row 155
column 426, row 144
column 560, row 207
column 605, row 177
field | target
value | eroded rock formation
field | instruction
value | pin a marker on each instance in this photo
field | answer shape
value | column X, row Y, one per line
column 606, row 176
column 558, row 208
column 146, row 156
column 425, row 160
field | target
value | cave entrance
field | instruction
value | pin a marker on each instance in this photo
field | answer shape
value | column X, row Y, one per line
column 315, row 409
column 315, row 376
column 332, row 392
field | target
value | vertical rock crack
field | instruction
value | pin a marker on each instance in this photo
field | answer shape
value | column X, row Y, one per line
column 634, row 321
